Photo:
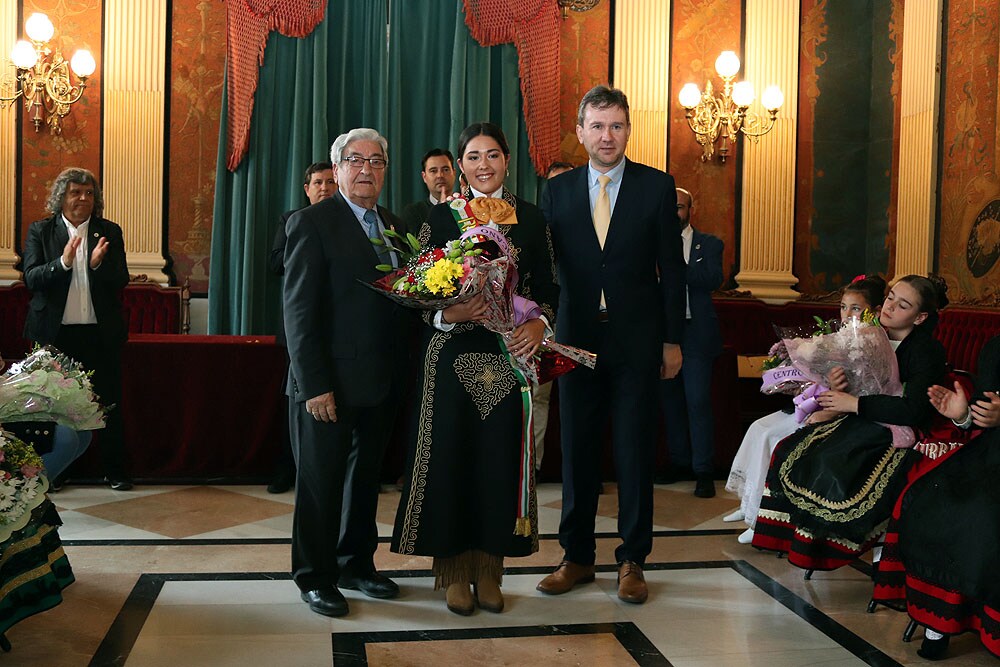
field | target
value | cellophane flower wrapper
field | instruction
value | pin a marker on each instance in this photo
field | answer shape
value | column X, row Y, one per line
column 864, row 352
column 49, row 386
column 495, row 278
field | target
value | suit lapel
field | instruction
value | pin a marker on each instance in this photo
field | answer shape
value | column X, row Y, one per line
column 581, row 210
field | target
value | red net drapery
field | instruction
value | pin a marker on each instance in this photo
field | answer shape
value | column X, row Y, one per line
column 533, row 27
column 248, row 25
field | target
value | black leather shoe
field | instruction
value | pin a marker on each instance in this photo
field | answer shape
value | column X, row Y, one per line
column 933, row 649
column 282, row 482
column 326, row 601
column 672, row 474
column 704, row 487
column 119, row 483
column 372, row 584
column 56, row 484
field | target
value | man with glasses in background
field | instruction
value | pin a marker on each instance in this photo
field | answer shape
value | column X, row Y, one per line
column 346, row 347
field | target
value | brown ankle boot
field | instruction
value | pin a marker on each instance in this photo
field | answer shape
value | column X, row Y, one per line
column 459, row 599
column 488, row 595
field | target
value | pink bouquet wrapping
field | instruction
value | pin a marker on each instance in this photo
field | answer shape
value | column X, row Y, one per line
column 863, row 350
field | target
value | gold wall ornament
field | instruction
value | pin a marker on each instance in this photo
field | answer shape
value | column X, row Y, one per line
column 576, row 5
column 42, row 76
column 715, row 118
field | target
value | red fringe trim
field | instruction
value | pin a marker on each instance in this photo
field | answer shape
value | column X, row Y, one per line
column 247, row 32
column 533, row 27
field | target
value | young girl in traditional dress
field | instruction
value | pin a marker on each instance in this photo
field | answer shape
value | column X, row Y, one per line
column 746, row 477
column 943, row 544
column 832, row 485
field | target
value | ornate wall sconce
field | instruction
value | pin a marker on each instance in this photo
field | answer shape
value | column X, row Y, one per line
column 576, row 5
column 712, row 118
column 43, row 76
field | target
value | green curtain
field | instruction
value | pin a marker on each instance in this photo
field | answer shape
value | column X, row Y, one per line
column 418, row 83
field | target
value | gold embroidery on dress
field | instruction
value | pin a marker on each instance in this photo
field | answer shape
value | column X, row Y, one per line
column 422, row 456
column 552, row 254
column 424, row 235
column 487, row 377
column 870, row 493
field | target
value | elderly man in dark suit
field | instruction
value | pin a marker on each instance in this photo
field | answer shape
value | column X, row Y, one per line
column 621, row 277
column 319, row 184
column 687, row 399
column 74, row 265
column 345, row 346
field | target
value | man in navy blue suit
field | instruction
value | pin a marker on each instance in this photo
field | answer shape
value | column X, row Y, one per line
column 621, row 276
column 687, row 398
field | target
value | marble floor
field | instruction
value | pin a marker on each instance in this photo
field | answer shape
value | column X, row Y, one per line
column 185, row 576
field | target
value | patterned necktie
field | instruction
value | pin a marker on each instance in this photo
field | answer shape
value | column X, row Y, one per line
column 602, row 218
column 371, row 219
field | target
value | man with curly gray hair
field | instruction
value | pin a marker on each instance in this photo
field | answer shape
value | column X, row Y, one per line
column 74, row 265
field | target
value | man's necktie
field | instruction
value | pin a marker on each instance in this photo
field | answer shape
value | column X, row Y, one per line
column 602, row 217
column 371, row 219
column 602, row 210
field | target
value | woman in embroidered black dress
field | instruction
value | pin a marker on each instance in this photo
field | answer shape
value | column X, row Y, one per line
column 832, row 485
column 943, row 543
column 460, row 499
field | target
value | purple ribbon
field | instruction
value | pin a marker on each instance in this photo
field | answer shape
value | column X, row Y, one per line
column 806, row 403
column 779, row 374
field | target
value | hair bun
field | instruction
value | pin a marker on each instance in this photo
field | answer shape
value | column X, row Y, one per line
column 940, row 288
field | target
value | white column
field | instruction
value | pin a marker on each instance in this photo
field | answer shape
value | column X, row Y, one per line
column 642, row 70
column 771, row 57
column 134, row 128
column 8, row 150
column 918, row 139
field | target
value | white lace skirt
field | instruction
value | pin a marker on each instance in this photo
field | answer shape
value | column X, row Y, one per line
column 749, row 471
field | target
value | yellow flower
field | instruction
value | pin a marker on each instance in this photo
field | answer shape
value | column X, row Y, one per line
column 440, row 278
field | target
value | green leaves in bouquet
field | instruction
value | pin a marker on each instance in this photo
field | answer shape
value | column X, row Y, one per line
column 410, row 248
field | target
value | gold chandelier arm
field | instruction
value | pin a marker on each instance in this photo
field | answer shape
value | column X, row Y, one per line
column 755, row 125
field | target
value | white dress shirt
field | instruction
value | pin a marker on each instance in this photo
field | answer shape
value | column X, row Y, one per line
column 686, row 235
column 79, row 305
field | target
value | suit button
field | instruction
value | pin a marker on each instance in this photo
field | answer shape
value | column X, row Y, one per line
column 45, row 432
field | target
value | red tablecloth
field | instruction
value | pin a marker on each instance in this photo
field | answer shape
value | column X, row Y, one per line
column 199, row 407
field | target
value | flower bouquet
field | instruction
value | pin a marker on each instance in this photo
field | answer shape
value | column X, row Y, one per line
column 21, row 485
column 49, row 386
column 779, row 374
column 479, row 261
column 862, row 349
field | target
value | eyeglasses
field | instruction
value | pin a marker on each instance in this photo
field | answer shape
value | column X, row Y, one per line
column 357, row 162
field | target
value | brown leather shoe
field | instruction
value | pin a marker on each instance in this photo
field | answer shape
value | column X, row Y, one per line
column 631, row 583
column 458, row 597
column 565, row 577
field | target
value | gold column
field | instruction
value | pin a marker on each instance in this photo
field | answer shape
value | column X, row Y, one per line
column 918, row 137
column 8, row 151
column 642, row 70
column 771, row 57
column 134, row 128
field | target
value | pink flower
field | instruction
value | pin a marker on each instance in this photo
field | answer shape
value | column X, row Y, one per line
column 29, row 470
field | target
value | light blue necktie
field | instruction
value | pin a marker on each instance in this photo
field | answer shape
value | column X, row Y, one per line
column 371, row 219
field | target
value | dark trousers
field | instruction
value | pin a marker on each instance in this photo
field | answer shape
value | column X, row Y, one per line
column 687, row 412
column 588, row 398
column 84, row 343
column 336, row 495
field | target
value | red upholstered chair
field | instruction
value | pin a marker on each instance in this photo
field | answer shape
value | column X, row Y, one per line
column 14, row 300
column 151, row 308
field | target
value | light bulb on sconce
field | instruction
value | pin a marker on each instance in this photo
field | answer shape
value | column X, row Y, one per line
column 43, row 75
column 712, row 117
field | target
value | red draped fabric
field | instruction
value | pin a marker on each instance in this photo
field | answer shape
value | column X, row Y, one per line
column 533, row 27
column 248, row 25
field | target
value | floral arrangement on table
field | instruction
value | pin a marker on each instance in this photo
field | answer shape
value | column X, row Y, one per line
column 49, row 386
